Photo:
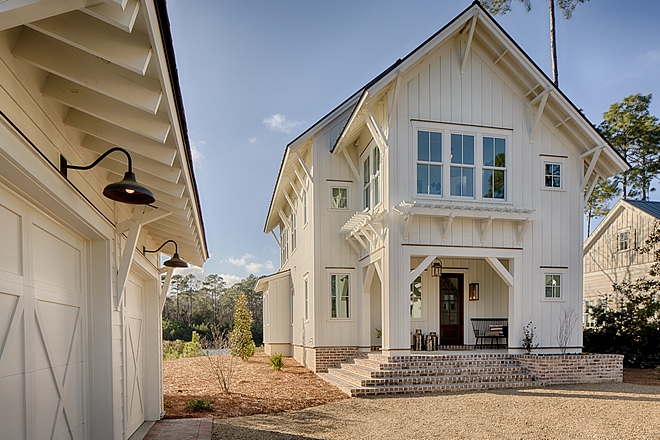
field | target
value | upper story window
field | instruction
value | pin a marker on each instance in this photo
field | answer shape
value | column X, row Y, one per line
column 493, row 180
column 293, row 231
column 623, row 240
column 284, row 245
column 371, row 178
column 461, row 180
column 339, row 199
column 477, row 157
column 429, row 162
column 552, row 175
column 304, row 200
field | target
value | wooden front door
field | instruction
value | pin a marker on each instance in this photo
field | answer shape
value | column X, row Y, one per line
column 451, row 309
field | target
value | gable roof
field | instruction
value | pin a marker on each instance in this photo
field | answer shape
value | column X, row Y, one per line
column 615, row 163
column 649, row 207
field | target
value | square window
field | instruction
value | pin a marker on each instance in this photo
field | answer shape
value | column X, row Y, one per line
column 553, row 286
column 339, row 198
column 552, row 175
column 429, row 162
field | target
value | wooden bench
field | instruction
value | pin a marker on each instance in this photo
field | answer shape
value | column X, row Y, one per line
column 493, row 328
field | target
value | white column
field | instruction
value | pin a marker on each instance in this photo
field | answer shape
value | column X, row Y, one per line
column 516, row 304
column 395, row 300
column 366, row 278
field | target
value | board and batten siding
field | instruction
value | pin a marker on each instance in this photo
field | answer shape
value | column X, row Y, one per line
column 486, row 95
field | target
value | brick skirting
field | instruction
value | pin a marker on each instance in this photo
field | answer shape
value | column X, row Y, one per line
column 574, row 368
column 326, row 357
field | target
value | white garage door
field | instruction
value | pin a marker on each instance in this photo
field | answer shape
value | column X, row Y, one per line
column 42, row 326
column 134, row 307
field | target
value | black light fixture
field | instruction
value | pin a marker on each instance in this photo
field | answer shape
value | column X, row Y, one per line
column 436, row 268
column 127, row 190
column 473, row 293
column 175, row 261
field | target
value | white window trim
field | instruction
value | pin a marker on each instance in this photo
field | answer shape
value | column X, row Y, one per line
column 369, row 153
column 351, row 288
column 479, row 133
column 562, row 272
column 284, row 246
column 348, row 197
column 562, row 162
column 618, row 242
column 305, row 207
column 306, row 298
column 293, row 218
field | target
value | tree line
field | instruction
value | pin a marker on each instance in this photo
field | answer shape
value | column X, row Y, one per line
column 207, row 305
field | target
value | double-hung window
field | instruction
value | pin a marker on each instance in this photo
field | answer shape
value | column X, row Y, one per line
column 366, row 183
column 493, row 181
column 371, row 179
column 339, row 296
column 293, row 231
column 304, row 199
column 623, row 240
column 429, row 162
column 284, row 245
column 461, row 181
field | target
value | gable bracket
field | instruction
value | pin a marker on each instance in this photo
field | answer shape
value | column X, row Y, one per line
column 392, row 101
column 501, row 56
column 500, row 270
column 288, row 199
column 375, row 131
column 406, row 228
column 351, row 164
column 128, row 253
column 276, row 239
column 164, row 288
column 590, row 170
column 304, row 165
column 563, row 121
column 284, row 219
column 303, row 182
column 544, row 98
column 368, row 277
column 469, row 42
column 380, row 237
column 295, row 190
column 591, row 187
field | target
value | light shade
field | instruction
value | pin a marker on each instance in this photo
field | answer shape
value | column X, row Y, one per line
column 436, row 268
column 129, row 191
column 175, row 261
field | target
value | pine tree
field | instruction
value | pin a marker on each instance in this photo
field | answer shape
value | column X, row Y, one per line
column 240, row 337
column 598, row 204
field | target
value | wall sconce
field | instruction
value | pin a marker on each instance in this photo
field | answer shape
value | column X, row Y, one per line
column 436, row 268
column 126, row 191
column 473, row 293
column 175, row 261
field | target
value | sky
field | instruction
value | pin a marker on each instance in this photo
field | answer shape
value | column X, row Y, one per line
column 256, row 74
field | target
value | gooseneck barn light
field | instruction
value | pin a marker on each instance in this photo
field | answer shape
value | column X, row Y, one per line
column 175, row 261
column 127, row 190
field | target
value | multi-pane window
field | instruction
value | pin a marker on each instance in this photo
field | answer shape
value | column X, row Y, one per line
column 623, row 240
column 494, row 169
column 293, row 295
column 429, row 162
column 416, row 298
column 587, row 319
column 461, row 178
column 339, row 198
column 284, row 245
column 306, row 299
column 552, row 175
column 371, row 179
column 339, row 295
column 293, row 231
column 304, row 199
column 553, row 286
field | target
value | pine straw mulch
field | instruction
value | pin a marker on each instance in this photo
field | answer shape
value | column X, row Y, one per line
column 639, row 376
column 256, row 388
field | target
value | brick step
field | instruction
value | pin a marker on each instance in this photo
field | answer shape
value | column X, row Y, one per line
column 362, row 381
column 435, row 388
column 435, row 371
column 342, row 385
column 433, row 363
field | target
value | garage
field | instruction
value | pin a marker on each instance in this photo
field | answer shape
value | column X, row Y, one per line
column 43, row 340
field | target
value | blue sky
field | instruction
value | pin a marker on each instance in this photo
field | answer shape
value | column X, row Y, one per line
column 256, row 74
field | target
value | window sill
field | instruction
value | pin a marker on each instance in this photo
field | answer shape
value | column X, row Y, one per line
column 340, row 320
column 545, row 188
column 544, row 299
column 339, row 209
column 455, row 199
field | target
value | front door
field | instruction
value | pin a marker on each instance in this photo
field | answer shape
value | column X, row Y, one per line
column 451, row 309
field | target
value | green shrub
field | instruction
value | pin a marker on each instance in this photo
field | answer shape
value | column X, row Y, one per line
column 181, row 349
column 192, row 348
column 167, row 403
column 240, row 338
column 276, row 361
column 199, row 405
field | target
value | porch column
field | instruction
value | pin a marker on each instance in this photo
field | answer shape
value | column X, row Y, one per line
column 396, row 302
column 365, row 324
column 515, row 305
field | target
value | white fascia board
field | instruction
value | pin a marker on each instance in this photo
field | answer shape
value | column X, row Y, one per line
column 262, row 283
column 339, row 146
column 280, row 177
column 602, row 226
column 158, row 49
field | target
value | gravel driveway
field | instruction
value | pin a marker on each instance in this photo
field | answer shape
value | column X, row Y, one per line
column 598, row 411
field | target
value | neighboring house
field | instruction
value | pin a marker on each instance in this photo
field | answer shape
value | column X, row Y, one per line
column 611, row 252
column 462, row 154
column 80, row 304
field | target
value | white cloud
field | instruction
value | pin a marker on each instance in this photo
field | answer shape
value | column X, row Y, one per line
column 197, row 155
column 240, row 261
column 230, row 280
column 651, row 56
column 253, row 140
column 197, row 271
column 278, row 122
column 257, row 268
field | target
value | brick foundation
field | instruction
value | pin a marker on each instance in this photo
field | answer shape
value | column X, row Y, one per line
column 326, row 357
column 574, row 368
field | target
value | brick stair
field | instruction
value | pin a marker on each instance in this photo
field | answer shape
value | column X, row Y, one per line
column 377, row 374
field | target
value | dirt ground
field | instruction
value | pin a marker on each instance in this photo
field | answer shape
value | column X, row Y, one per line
column 258, row 389
column 255, row 389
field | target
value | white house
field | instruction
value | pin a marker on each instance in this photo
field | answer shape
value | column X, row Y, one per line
column 612, row 252
column 80, row 303
column 462, row 154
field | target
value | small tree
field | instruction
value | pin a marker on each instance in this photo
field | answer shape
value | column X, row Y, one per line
column 221, row 363
column 240, row 338
column 567, row 320
column 529, row 335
